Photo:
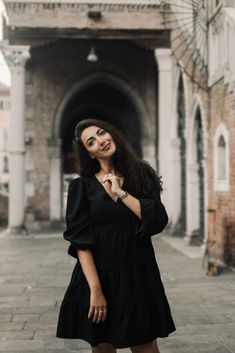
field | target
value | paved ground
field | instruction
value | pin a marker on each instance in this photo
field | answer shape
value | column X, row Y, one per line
column 34, row 273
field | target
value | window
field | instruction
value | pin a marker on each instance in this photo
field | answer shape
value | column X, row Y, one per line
column 5, row 139
column 5, row 165
column 221, row 159
column 4, row 105
column 221, row 166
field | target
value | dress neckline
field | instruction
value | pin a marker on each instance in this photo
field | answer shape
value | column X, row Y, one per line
column 110, row 197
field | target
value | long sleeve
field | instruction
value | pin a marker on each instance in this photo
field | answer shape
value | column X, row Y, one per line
column 78, row 227
column 154, row 217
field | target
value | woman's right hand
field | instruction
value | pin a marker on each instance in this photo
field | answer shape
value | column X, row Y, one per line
column 98, row 306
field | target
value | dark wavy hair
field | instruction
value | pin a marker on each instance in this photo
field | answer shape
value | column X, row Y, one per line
column 125, row 161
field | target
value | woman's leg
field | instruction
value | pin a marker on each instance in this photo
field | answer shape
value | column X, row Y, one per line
column 146, row 348
column 104, row 348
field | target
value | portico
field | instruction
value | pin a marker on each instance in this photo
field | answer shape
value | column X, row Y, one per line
column 129, row 86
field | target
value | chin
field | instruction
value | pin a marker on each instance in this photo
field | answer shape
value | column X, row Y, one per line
column 113, row 149
column 111, row 152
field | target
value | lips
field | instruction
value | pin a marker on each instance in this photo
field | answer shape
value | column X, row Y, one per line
column 107, row 147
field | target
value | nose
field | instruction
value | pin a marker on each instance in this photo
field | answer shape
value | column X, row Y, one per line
column 101, row 140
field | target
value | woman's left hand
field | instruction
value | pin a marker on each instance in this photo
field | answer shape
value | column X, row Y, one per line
column 115, row 182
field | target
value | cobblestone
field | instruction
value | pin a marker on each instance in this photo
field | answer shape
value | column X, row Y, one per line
column 36, row 271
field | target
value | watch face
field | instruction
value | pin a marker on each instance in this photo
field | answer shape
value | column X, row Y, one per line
column 124, row 195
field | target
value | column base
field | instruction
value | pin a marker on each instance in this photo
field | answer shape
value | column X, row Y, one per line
column 193, row 239
column 46, row 227
column 21, row 230
column 177, row 230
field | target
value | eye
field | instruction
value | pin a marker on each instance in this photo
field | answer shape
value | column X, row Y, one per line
column 102, row 132
column 90, row 143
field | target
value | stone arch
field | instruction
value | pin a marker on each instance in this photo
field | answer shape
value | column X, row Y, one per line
column 55, row 142
column 115, row 82
column 180, row 227
column 180, row 73
column 196, row 104
column 197, row 198
column 179, row 133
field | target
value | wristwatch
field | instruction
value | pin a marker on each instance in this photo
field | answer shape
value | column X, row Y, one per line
column 125, row 194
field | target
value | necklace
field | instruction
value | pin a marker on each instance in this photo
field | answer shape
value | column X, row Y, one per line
column 109, row 172
column 100, row 177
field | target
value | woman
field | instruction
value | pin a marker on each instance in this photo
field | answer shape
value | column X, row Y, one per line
column 115, row 298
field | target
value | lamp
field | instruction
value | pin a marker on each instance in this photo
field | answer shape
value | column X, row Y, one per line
column 94, row 15
column 92, row 56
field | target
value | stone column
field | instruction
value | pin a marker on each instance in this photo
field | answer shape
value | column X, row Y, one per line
column 193, row 222
column 16, row 57
column 56, row 192
column 149, row 152
column 165, row 118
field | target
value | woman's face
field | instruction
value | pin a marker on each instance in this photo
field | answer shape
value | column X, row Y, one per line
column 98, row 142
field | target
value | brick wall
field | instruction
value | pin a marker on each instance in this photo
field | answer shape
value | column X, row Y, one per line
column 222, row 221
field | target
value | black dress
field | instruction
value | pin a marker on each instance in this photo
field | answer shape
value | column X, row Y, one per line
column 137, row 307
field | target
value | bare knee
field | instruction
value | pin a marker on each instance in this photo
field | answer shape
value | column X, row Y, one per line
column 104, row 348
column 146, row 348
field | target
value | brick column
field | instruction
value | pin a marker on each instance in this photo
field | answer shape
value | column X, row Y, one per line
column 16, row 57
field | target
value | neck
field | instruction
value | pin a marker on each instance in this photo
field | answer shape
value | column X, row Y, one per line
column 106, row 167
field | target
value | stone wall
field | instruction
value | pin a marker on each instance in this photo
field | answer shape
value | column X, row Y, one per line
column 114, row 15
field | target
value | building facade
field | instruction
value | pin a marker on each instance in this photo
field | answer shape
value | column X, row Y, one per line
column 221, row 135
column 122, row 61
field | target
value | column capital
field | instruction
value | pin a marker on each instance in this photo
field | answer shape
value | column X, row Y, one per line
column 15, row 55
column 163, row 57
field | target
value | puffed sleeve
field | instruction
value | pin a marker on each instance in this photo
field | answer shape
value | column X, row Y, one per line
column 154, row 217
column 79, row 230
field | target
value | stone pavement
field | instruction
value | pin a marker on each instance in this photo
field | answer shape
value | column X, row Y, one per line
column 35, row 271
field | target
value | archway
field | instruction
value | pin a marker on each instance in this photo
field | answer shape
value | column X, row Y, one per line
column 101, row 101
column 196, row 181
column 101, row 96
column 180, row 225
column 113, row 81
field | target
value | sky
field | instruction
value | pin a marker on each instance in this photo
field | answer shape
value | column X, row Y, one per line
column 4, row 71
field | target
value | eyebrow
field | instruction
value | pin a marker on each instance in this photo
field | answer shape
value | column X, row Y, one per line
column 92, row 136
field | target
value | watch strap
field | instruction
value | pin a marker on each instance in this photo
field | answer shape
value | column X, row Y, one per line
column 125, row 194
